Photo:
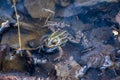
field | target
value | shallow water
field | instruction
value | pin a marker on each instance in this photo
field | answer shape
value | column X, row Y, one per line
column 94, row 21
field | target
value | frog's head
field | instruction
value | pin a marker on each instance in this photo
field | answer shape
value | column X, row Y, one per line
column 56, row 39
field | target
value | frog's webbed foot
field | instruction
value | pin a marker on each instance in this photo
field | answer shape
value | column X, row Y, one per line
column 60, row 54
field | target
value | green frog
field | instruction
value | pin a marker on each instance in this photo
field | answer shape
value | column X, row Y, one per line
column 59, row 38
column 55, row 40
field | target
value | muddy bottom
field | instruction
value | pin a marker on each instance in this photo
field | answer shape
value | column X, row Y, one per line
column 96, row 23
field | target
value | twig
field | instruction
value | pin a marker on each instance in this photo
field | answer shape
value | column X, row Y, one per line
column 17, row 17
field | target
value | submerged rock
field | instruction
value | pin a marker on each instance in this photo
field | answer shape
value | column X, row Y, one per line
column 9, row 62
column 68, row 70
column 64, row 3
column 6, row 10
column 91, row 2
column 4, row 50
column 21, row 78
column 97, row 57
column 36, row 8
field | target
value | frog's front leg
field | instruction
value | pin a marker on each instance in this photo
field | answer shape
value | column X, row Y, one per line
column 60, row 53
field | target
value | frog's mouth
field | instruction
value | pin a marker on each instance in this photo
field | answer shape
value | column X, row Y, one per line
column 49, row 49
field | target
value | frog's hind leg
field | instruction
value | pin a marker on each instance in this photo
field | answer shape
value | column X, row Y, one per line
column 60, row 53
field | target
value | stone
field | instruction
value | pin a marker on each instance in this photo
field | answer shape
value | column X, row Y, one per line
column 64, row 3
column 117, row 18
column 68, row 70
column 119, row 38
column 20, row 78
column 16, row 64
column 76, row 8
column 6, row 63
column 4, row 48
column 91, row 2
column 36, row 8
column 6, row 10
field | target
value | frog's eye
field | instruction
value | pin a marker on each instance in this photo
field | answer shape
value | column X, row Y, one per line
column 54, row 42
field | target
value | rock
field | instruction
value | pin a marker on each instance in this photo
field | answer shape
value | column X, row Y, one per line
column 115, row 32
column 64, row 3
column 68, row 70
column 117, row 78
column 6, row 10
column 36, row 8
column 12, row 36
column 7, row 63
column 96, row 58
column 20, row 78
column 83, row 7
column 91, row 2
column 101, row 34
column 119, row 38
column 118, row 51
column 33, row 43
column 16, row 64
column 8, row 78
column 67, row 3
column 4, row 49
column 117, row 18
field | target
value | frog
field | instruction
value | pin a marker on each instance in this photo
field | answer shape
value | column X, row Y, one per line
column 55, row 40
column 59, row 38
column 61, row 34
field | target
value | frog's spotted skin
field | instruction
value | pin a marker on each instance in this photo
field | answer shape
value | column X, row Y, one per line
column 57, row 38
column 61, row 34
